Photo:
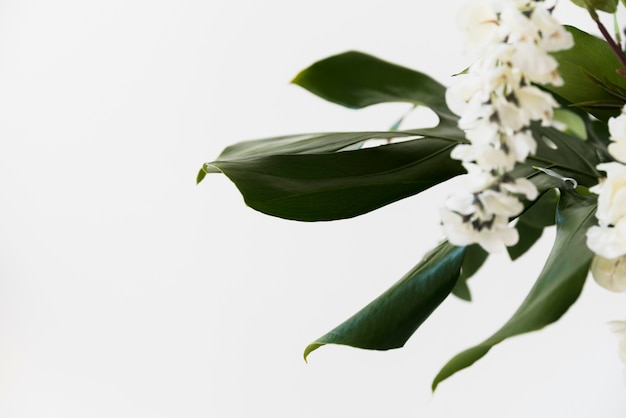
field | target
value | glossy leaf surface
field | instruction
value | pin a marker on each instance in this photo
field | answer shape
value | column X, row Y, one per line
column 389, row 321
column 558, row 286
column 306, row 180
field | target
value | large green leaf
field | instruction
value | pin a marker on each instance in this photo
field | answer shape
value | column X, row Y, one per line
column 356, row 80
column 307, row 180
column 568, row 155
column 608, row 6
column 581, row 67
column 389, row 321
column 558, row 286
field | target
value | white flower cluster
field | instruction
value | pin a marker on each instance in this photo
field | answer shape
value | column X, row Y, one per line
column 496, row 101
column 608, row 239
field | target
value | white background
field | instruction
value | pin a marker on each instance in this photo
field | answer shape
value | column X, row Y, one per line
column 128, row 291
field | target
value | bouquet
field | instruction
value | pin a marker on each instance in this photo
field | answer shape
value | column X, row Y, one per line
column 536, row 125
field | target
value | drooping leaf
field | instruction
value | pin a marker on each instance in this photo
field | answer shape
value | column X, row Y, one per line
column 355, row 80
column 589, row 56
column 558, row 286
column 307, row 180
column 389, row 321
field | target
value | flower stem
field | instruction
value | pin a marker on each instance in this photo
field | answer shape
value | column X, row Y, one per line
column 617, row 50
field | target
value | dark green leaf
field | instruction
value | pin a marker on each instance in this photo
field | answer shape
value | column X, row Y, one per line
column 389, row 321
column 528, row 236
column 538, row 215
column 558, row 286
column 542, row 212
column 356, row 80
column 589, row 56
column 474, row 258
column 318, row 184
column 566, row 154
column 462, row 291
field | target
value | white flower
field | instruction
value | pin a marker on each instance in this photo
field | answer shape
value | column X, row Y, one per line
column 462, row 203
column 494, row 238
column 510, row 116
column 522, row 144
column 538, row 104
column 521, row 186
column 484, row 132
column 478, row 179
column 485, row 156
column 617, row 129
column 520, row 27
column 612, row 191
column 554, row 37
column 462, row 91
column 500, row 204
column 479, row 22
column 496, row 104
column 610, row 273
column 618, row 150
column 536, row 64
column 608, row 242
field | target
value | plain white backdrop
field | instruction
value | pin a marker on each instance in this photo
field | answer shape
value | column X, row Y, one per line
column 128, row 291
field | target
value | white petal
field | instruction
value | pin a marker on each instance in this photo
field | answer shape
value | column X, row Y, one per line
column 608, row 242
column 554, row 37
column 510, row 116
column 618, row 150
column 462, row 203
column 610, row 273
column 500, row 203
column 538, row 104
column 480, row 23
column 522, row 186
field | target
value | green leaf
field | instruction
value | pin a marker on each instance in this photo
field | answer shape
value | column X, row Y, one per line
column 608, row 6
column 558, row 286
column 542, row 212
column 528, row 236
column 355, row 80
column 474, row 258
column 589, row 56
column 574, row 124
column 462, row 291
column 572, row 156
column 389, row 321
column 538, row 215
column 306, row 178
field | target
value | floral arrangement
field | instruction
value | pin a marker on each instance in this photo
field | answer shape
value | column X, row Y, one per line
column 537, row 127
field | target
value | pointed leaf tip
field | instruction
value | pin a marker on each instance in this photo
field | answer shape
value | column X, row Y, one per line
column 390, row 320
column 201, row 175
column 558, row 286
